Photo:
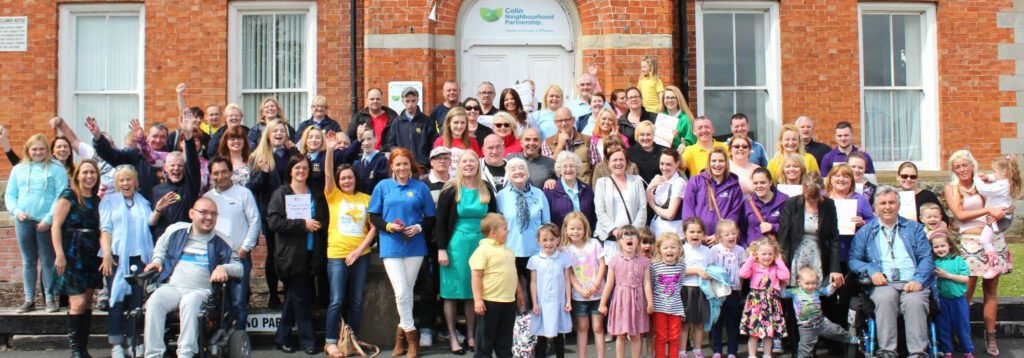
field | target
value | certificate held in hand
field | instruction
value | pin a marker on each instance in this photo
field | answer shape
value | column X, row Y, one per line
column 298, row 206
column 846, row 209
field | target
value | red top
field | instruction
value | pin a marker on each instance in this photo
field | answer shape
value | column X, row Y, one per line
column 457, row 142
column 379, row 122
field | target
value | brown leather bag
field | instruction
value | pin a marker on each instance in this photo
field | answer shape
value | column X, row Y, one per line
column 349, row 346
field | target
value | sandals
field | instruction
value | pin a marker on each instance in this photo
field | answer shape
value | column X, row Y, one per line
column 332, row 350
column 990, row 343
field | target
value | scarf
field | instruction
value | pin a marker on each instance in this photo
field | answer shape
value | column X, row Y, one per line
column 522, row 208
column 129, row 234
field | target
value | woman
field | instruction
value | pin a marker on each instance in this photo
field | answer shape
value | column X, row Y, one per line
column 312, row 146
column 61, row 149
column 300, row 253
column 665, row 194
column 714, row 194
column 618, row 102
column 605, row 129
column 235, row 147
column 349, row 237
column 619, row 198
column 76, row 235
column 570, row 194
column 739, row 161
column 400, row 207
column 858, row 164
column 839, row 186
column 463, row 201
column 504, row 127
column 270, row 110
column 674, row 104
column 646, row 154
column 789, row 143
column 907, row 177
column 525, row 209
column 762, row 208
column 34, row 185
column 970, row 214
column 634, row 115
column 476, row 131
column 454, row 134
column 602, row 169
column 585, row 123
column 544, row 119
column 125, row 243
column 511, row 104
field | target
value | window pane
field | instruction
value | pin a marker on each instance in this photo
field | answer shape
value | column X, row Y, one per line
column 720, row 106
column 293, row 106
column 257, row 52
column 290, row 50
column 718, row 50
column 877, row 50
column 754, row 105
column 112, row 112
column 893, row 124
column 906, row 42
column 90, row 52
column 123, row 53
column 907, row 114
column 750, row 49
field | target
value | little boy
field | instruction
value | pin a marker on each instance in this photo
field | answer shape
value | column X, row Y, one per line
column 809, row 317
column 495, row 289
column 931, row 217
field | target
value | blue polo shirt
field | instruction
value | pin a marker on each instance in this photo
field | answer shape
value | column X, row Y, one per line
column 409, row 203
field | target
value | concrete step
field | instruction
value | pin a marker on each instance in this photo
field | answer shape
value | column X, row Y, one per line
column 1010, row 309
column 1004, row 329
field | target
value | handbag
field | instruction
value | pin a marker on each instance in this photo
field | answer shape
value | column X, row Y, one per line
column 759, row 217
column 348, row 345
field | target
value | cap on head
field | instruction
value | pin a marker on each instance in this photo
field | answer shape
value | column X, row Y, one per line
column 439, row 151
column 410, row 91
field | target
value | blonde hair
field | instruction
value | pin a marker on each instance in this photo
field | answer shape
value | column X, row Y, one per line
column 305, row 137
column 491, row 222
column 459, row 181
column 644, row 126
column 598, row 133
column 791, row 157
column 507, row 117
column 930, row 206
column 547, row 91
column 726, row 224
column 756, row 245
column 965, row 155
column 127, row 172
column 280, row 111
column 652, row 62
column 448, row 136
column 666, row 237
column 682, row 103
column 318, row 101
column 41, row 139
column 233, row 106
column 788, row 127
column 1009, row 164
column 264, row 151
column 575, row 216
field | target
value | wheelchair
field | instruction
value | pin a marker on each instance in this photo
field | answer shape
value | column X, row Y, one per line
column 861, row 321
column 217, row 334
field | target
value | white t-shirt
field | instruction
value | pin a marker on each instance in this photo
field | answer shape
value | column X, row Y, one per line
column 695, row 257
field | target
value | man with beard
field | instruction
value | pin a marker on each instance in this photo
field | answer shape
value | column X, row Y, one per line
column 542, row 169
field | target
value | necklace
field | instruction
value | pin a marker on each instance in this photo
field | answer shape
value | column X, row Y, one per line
column 964, row 190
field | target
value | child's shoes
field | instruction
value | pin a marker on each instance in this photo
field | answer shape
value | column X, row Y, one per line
column 996, row 266
column 717, row 355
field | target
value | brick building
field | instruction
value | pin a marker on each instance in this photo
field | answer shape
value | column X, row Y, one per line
column 919, row 79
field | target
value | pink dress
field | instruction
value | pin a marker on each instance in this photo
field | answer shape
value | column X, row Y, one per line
column 627, row 312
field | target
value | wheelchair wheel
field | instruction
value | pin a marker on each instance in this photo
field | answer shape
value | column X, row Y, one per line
column 238, row 345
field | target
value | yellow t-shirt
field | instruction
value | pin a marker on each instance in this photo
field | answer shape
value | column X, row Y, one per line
column 650, row 87
column 206, row 128
column 695, row 157
column 349, row 223
column 498, row 263
column 775, row 166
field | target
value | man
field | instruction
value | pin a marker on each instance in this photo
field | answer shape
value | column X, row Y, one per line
column 428, row 286
column 240, row 222
column 741, row 126
column 695, row 157
column 451, row 93
column 485, row 93
column 149, row 177
column 440, row 171
column 319, row 119
column 568, row 139
column 897, row 255
column 542, row 169
column 376, row 114
column 369, row 164
column 181, row 188
column 844, row 146
column 817, row 149
column 492, row 165
column 412, row 130
column 214, row 120
column 189, row 257
column 232, row 118
column 586, row 84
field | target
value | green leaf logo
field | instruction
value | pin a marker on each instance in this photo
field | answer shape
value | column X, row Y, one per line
column 491, row 15
column 396, row 98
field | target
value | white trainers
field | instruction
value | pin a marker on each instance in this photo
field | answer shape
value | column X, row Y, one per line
column 117, row 351
column 777, row 346
column 426, row 337
column 140, row 351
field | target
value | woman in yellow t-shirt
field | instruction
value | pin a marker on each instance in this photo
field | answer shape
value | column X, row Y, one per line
column 789, row 143
column 349, row 236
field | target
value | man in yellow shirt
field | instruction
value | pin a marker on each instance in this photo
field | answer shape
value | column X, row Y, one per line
column 695, row 157
column 496, row 292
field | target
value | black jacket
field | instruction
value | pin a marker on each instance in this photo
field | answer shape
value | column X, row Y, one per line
column 149, row 177
column 364, row 117
column 256, row 132
column 327, row 124
column 448, row 214
column 292, row 258
column 187, row 188
column 214, row 143
column 626, row 127
column 791, row 232
column 416, row 135
column 172, row 143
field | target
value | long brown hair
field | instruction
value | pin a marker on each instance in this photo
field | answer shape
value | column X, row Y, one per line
column 448, row 137
column 233, row 132
column 77, row 187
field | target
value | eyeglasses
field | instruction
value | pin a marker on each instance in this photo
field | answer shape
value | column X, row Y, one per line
column 473, row 108
column 632, row 97
column 741, row 147
column 563, row 120
column 908, row 176
column 502, row 125
column 486, row 92
column 205, row 213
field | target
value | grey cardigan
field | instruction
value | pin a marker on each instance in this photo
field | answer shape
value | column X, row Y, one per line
column 605, row 197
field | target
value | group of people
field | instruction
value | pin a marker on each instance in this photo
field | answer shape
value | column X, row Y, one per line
column 569, row 211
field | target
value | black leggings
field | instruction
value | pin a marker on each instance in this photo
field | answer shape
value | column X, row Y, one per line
column 541, row 348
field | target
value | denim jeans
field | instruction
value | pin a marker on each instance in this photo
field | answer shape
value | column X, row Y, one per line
column 36, row 253
column 347, row 283
column 240, row 294
column 116, row 320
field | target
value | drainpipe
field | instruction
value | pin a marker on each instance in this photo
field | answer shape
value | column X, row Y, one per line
column 684, row 43
column 352, row 55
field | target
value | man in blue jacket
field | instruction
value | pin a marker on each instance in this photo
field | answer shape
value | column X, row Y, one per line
column 896, row 253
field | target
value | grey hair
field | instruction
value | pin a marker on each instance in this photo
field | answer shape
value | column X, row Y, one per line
column 485, row 83
column 517, row 161
column 567, row 157
column 886, row 190
column 174, row 154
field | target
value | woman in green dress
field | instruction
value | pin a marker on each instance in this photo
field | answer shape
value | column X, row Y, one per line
column 463, row 202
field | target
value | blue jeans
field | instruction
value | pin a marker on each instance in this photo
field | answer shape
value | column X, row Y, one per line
column 347, row 283
column 240, row 294
column 36, row 248
column 116, row 320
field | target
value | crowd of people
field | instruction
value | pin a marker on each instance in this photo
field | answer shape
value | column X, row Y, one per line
column 489, row 207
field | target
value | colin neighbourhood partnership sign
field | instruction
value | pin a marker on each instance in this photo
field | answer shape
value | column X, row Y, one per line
column 532, row 19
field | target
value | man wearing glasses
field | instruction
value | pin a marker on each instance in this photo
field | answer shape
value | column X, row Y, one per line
column 568, row 139
column 485, row 92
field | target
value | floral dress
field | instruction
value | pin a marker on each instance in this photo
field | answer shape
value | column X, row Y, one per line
column 80, row 236
column 762, row 314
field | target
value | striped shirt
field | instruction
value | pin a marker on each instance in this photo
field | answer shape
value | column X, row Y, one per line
column 666, row 283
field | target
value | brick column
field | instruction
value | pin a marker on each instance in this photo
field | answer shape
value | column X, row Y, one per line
column 1014, row 82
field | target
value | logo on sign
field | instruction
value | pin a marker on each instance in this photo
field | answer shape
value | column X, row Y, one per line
column 490, row 15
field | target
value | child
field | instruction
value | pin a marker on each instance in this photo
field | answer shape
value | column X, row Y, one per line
column 729, row 256
column 762, row 314
column 650, row 85
column 807, row 305
column 632, row 302
column 549, row 286
column 953, row 318
column 696, row 306
column 646, row 237
column 667, row 272
column 999, row 191
column 931, row 217
column 495, row 288
column 588, row 269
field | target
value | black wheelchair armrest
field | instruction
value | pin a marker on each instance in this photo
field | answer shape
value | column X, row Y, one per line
column 141, row 279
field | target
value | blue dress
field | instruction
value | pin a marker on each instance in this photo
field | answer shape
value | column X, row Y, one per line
column 550, row 294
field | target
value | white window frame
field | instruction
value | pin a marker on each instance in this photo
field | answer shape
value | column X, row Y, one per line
column 69, row 14
column 236, row 9
column 773, row 61
column 930, row 149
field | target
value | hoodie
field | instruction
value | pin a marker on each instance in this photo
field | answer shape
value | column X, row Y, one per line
column 728, row 196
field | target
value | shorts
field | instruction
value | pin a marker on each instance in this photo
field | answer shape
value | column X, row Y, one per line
column 585, row 308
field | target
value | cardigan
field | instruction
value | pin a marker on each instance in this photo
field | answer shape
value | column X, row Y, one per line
column 791, row 231
column 290, row 254
column 605, row 196
column 561, row 204
column 448, row 214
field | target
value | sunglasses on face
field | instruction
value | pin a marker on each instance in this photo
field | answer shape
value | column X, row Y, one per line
column 908, row 176
column 502, row 125
column 741, row 147
column 473, row 108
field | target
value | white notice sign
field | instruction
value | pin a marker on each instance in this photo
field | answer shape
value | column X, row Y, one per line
column 13, row 33
column 297, row 206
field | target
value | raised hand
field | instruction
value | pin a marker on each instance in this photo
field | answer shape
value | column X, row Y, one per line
column 90, row 124
column 332, row 140
column 180, row 88
column 4, row 140
column 135, row 127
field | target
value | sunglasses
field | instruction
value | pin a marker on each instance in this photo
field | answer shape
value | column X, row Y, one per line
column 741, row 147
column 473, row 108
column 908, row 176
column 502, row 125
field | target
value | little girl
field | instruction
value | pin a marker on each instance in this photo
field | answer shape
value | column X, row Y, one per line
column 587, row 278
column 953, row 318
column 650, row 85
column 931, row 217
column 729, row 256
column 762, row 314
column 698, row 309
column 630, row 275
column 667, row 272
column 549, row 286
column 646, row 237
column 999, row 191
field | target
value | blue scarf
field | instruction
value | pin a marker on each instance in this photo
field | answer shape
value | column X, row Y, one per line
column 522, row 207
column 129, row 234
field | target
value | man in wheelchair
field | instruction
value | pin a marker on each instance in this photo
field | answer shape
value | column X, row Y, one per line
column 189, row 257
column 896, row 254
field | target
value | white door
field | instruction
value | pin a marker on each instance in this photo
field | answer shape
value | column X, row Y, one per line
column 504, row 65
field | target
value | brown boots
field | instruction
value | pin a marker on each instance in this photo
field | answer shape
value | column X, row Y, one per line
column 406, row 343
column 399, row 343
